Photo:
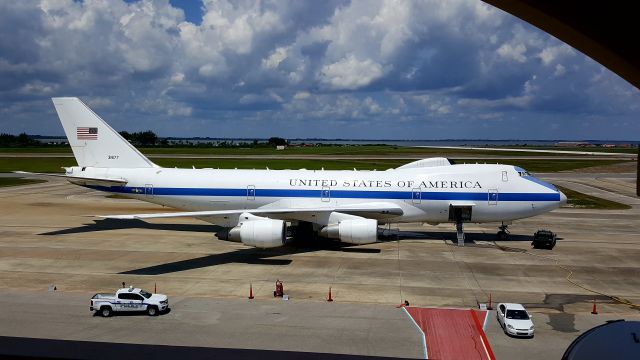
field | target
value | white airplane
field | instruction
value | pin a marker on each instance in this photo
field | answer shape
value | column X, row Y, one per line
column 256, row 205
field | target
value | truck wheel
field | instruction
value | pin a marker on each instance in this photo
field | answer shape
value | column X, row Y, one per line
column 105, row 311
column 152, row 311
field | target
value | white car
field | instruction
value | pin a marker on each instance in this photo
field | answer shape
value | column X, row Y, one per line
column 514, row 319
column 129, row 299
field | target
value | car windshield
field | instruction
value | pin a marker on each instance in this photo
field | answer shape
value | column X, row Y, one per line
column 145, row 294
column 517, row 315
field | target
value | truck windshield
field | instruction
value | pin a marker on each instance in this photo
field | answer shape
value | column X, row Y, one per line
column 145, row 294
column 517, row 315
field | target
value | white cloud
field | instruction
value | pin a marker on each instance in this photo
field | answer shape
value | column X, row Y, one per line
column 98, row 102
column 211, row 69
column 520, row 102
column 550, row 54
column 38, row 88
column 275, row 58
column 350, row 73
column 513, row 52
column 177, row 78
column 301, row 95
column 372, row 106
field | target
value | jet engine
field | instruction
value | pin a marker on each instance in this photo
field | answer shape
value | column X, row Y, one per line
column 266, row 233
column 356, row 231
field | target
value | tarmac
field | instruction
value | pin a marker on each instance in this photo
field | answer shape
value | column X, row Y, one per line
column 48, row 237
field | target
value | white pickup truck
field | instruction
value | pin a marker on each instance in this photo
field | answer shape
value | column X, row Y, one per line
column 129, row 299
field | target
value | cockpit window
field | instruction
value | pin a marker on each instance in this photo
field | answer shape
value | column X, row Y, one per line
column 523, row 173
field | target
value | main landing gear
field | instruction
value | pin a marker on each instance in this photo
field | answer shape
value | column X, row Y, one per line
column 503, row 234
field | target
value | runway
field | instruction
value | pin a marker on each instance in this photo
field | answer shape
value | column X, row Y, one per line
column 46, row 238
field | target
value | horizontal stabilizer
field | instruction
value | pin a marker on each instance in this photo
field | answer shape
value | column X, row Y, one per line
column 79, row 180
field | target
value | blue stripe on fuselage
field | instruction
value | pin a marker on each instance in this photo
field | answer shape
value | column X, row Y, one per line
column 335, row 194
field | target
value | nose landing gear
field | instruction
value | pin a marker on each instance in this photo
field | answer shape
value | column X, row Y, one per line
column 503, row 234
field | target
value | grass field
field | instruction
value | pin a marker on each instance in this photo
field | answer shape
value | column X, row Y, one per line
column 54, row 164
column 584, row 201
column 4, row 182
column 35, row 164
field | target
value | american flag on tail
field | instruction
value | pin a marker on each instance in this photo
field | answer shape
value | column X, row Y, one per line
column 87, row 133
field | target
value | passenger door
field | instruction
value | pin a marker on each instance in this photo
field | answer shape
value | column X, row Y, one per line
column 500, row 313
column 492, row 196
column 121, row 302
column 129, row 302
column 137, row 302
column 251, row 192
column 325, row 194
column 416, row 195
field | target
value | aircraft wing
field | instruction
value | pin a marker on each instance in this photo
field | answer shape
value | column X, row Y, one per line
column 80, row 180
column 369, row 210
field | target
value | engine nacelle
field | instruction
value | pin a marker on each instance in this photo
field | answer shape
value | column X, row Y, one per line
column 266, row 233
column 356, row 231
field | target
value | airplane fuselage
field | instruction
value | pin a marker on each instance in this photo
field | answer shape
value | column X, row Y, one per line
column 495, row 193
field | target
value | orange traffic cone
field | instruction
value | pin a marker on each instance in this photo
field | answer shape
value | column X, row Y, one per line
column 329, row 299
column 155, row 288
column 250, row 291
column 490, row 307
column 594, row 311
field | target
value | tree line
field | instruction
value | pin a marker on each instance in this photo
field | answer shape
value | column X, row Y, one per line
column 22, row 140
column 145, row 138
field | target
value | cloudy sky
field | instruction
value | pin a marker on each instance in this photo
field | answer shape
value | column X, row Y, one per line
column 370, row 69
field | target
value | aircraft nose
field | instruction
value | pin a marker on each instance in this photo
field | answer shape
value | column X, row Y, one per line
column 563, row 198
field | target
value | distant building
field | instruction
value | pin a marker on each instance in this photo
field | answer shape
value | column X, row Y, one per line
column 572, row 143
column 280, row 147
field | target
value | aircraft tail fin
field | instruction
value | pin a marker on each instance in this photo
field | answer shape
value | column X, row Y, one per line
column 93, row 141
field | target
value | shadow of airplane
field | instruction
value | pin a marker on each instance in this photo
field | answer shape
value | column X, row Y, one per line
column 117, row 224
column 242, row 256
column 249, row 256
column 298, row 245
column 470, row 237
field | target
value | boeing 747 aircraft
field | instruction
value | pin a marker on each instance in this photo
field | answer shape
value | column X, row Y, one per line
column 257, row 205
